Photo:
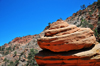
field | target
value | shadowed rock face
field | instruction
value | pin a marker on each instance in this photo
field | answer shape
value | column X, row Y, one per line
column 64, row 37
column 88, row 57
column 68, row 45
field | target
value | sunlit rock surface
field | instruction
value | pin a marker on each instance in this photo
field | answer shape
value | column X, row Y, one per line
column 64, row 37
column 68, row 45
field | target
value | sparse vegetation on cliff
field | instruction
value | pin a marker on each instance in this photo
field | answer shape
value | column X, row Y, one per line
column 31, row 60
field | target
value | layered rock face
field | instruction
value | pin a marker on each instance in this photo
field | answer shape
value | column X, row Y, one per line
column 64, row 37
column 68, row 45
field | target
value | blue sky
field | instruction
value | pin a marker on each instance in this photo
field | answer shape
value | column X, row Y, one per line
column 28, row 17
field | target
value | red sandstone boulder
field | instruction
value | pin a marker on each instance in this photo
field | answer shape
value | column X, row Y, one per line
column 83, row 57
column 64, row 37
column 68, row 45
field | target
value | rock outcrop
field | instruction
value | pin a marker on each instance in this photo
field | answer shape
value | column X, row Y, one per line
column 61, row 35
column 68, row 45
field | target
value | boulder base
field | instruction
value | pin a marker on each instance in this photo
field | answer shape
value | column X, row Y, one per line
column 70, row 58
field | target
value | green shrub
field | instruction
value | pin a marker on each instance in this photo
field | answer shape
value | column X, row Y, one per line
column 11, row 64
column 84, row 23
column 90, row 26
column 83, row 7
column 15, row 53
column 95, row 32
column 90, row 13
column 98, row 22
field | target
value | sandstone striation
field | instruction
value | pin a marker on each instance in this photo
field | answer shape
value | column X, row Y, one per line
column 68, row 45
column 64, row 37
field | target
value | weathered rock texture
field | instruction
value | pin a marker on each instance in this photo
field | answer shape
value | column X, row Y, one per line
column 68, row 45
column 64, row 37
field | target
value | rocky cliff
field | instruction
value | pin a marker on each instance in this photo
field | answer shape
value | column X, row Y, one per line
column 16, row 52
column 88, row 17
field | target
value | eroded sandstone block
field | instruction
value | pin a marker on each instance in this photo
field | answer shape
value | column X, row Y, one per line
column 64, row 37
column 68, row 45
